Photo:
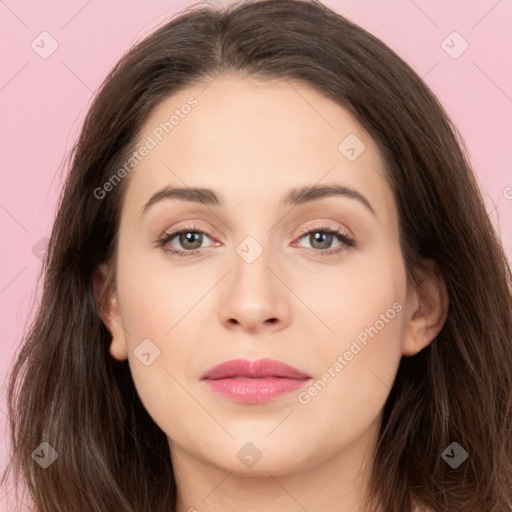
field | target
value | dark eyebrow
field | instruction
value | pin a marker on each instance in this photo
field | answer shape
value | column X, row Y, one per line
column 193, row 195
column 307, row 194
column 296, row 196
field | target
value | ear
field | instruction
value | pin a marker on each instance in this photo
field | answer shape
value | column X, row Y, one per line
column 105, row 295
column 426, row 309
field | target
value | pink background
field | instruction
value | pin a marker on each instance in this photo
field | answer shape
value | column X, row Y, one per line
column 43, row 102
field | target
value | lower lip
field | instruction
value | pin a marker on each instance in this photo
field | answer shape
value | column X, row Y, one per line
column 254, row 391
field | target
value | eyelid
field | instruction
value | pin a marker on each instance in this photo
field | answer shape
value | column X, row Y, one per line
column 191, row 225
column 325, row 225
column 343, row 234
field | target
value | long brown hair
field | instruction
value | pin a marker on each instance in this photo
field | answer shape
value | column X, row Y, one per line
column 67, row 390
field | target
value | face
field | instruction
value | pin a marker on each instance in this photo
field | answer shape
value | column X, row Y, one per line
column 263, row 269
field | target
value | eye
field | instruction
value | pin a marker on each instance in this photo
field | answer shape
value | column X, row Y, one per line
column 190, row 238
column 322, row 237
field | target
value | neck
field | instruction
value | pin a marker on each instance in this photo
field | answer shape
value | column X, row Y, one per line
column 338, row 482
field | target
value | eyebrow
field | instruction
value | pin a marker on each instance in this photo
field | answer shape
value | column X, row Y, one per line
column 293, row 197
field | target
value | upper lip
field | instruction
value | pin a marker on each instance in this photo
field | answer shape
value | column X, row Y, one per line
column 259, row 368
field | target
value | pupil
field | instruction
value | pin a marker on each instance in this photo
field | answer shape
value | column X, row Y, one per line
column 189, row 238
column 318, row 236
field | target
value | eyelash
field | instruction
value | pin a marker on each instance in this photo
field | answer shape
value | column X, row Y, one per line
column 343, row 237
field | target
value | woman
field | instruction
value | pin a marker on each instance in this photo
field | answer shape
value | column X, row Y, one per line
column 272, row 284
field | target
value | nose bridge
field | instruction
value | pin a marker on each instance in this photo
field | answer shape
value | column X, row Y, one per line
column 254, row 295
column 255, row 240
column 252, row 261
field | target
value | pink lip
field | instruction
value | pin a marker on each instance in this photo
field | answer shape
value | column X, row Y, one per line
column 254, row 381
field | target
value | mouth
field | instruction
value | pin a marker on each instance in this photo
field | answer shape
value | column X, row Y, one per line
column 254, row 382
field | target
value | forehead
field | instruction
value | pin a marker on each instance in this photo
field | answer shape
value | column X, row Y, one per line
column 253, row 140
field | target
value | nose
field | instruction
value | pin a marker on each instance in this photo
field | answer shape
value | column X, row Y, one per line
column 255, row 298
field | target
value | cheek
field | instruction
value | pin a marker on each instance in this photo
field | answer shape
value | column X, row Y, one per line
column 361, row 302
column 353, row 382
column 157, row 324
column 154, row 295
column 360, row 361
column 150, row 308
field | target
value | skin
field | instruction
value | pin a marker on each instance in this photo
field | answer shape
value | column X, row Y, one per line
column 252, row 141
